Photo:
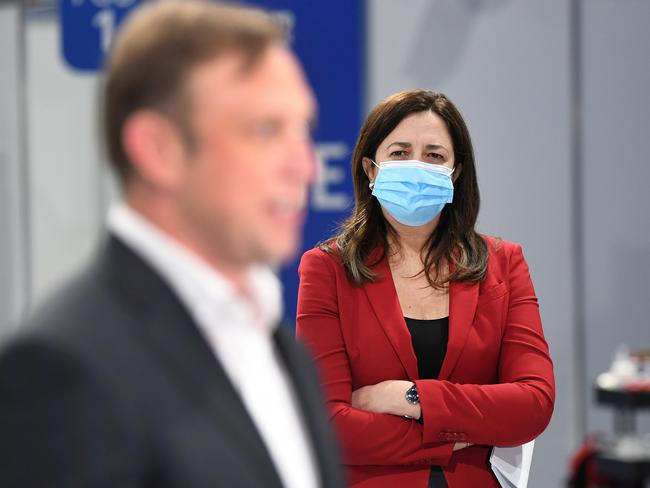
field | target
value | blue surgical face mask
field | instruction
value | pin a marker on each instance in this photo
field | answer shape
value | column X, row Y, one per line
column 413, row 192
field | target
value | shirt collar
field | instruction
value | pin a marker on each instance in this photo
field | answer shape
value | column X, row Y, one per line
column 210, row 297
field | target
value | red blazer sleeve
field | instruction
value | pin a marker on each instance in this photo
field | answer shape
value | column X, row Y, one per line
column 517, row 409
column 366, row 438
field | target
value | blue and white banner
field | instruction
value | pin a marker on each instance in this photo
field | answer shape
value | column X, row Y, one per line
column 88, row 27
column 329, row 38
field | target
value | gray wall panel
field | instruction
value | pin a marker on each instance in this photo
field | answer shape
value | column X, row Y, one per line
column 616, row 175
column 13, row 255
column 506, row 65
column 66, row 178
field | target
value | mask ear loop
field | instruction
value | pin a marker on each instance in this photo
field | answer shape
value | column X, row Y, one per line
column 448, row 172
column 371, row 184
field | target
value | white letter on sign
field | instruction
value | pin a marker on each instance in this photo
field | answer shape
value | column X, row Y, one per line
column 322, row 197
column 105, row 21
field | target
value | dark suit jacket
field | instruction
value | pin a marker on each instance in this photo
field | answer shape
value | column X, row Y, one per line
column 495, row 387
column 112, row 385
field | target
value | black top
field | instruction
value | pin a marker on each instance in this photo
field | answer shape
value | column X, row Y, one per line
column 429, row 339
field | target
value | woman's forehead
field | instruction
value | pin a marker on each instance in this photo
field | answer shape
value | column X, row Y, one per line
column 420, row 129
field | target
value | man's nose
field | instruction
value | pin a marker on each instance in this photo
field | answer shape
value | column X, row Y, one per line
column 301, row 159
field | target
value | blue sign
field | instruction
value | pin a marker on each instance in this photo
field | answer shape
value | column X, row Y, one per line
column 88, row 27
column 329, row 39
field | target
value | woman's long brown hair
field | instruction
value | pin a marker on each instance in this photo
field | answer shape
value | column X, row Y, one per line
column 454, row 241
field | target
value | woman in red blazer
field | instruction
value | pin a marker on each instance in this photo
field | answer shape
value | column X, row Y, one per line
column 428, row 335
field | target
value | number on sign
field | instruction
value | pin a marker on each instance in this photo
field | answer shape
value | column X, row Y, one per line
column 105, row 21
column 105, row 3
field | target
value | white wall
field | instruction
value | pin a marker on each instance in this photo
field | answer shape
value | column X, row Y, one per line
column 66, row 171
column 13, row 250
column 54, row 195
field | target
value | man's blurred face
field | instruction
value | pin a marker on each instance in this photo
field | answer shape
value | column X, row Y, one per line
column 244, row 191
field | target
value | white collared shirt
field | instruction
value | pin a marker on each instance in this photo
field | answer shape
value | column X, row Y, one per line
column 239, row 330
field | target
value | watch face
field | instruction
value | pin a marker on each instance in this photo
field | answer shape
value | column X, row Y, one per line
column 412, row 395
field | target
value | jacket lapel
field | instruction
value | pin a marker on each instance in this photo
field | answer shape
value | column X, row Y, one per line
column 167, row 329
column 463, row 299
column 298, row 366
column 188, row 357
column 383, row 299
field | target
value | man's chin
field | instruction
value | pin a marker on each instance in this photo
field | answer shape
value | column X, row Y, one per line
column 282, row 252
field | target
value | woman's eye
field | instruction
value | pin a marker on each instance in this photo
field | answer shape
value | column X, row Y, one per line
column 436, row 156
column 398, row 154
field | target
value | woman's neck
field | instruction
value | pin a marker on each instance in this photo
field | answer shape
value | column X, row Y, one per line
column 411, row 241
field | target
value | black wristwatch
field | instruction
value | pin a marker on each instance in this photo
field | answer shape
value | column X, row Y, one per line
column 412, row 396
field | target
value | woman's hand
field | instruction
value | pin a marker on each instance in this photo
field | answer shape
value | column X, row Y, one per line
column 386, row 397
column 390, row 397
column 461, row 445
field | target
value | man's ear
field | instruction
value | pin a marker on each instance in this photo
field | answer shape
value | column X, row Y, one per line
column 155, row 148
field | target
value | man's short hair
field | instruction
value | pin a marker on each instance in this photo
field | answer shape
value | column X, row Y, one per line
column 159, row 46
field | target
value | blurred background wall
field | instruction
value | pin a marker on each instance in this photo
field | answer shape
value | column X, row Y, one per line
column 555, row 95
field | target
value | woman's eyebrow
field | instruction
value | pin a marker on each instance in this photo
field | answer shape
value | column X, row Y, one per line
column 435, row 146
column 400, row 144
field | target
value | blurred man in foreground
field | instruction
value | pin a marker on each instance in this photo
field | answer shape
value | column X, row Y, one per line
column 163, row 364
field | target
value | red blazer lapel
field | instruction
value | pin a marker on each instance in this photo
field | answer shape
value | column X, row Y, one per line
column 384, row 302
column 463, row 299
